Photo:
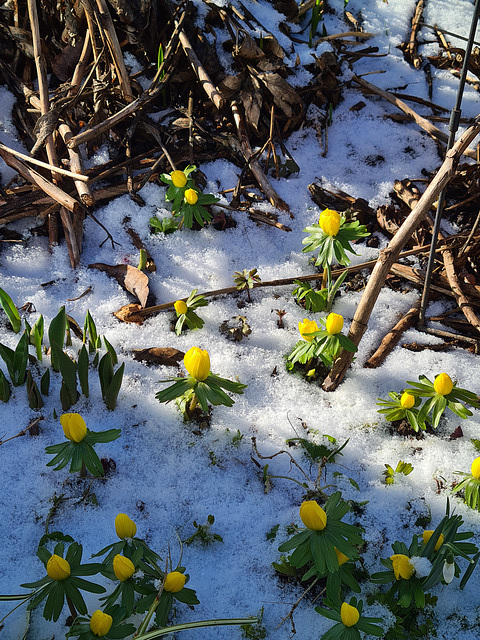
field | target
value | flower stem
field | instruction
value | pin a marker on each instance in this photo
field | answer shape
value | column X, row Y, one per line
column 83, row 470
column 73, row 611
column 146, row 621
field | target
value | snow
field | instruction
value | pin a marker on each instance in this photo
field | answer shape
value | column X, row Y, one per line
column 166, row 475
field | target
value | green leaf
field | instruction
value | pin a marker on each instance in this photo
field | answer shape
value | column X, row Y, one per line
column 45, row 383
column 111, row 351
column 35, row 400
column 68, row 369
column 56, row 334
column 4, row 388
column 82, row 366
column 36, row 335
column 7, row 355
column 113, row 389
column 11, row 310
column 20, row 360
column 175, row 390
column 105, row 373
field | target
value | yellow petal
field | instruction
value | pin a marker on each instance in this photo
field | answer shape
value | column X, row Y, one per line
column 74, row 426
column 123, row 567
column 402, row 567
column 341, row 557
column 330, row 222
column 191, row 196
column 334, row 323
column 426, row 535
column 349, row 615
column 197, row 363
column 174, row 582
column 407, row 400
column 475, row 469
column 443, row 384
column 179, row 179
column 307, row 326
column 125, row 527
column 100, row 623
column 180, row 307
column 57, row 568
column 313, row 516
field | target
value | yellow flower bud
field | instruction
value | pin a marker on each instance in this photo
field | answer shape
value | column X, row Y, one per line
column 57, row 568
column 334, row 323
column 443, row 384
column 74, row 426
column 100, row 623
column 475, row 468
column 313, row 516
column 179, row 179
column 330, row 222
column 191, row 196
column 125, row 527
column 123, row 568
column 402, row 567
column 426, row 535
column 341, row 557
column 180, row 307
column 407, row 400
column 349, row 615
column 174, row 582
column 197, row 363
column 307, row 326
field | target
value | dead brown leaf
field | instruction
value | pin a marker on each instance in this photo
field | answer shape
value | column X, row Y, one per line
column 127, row 313
column 168, row 356
column 284, row 95
column 130, row 278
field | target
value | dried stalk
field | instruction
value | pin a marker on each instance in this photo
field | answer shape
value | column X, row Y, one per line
column 253, row 163
column 456, row 288
column 410, row 50
column 389, row 255
column 81, row 64
column 427, row 126
column 115, row 50
column 75, row 175
column 207, row 85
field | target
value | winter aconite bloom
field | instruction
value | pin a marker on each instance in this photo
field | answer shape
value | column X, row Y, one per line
column 123, row 567
column 180, row 307
column 191, row 196
column 443, row 384
column 100, row 623
column 341, row 557
column 428, row 534
column 402, row 567
column 330, row 222
column 125, row 527
column 475, row 468
column 174, row 582
column 197, row 363
column 334, row 323
column 58, row 568
column 349, row 615
column 407, row 400
column 179, row 179
column 307, row 326
column 313, row 516
column 74, row 426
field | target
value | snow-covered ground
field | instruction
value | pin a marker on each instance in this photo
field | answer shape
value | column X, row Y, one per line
column 166, row 475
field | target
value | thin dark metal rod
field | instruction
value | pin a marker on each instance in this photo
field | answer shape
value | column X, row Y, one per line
column 453, row 127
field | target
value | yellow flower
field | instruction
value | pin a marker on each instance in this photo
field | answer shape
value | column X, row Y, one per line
column 313, row 516
column 174, row 582
column 100, row 623
column 341, row 557
column 349, row 615
column 307, row 326
column 402, row 567
column 179, row 179
column 330, row 222
column 123, row 568
column 475, row 468
column 57, row 568
column 443, row 384
column 334, row 323
column 426, row 535
column 407, row 400
column 125, row 527
column 180, row 307
column 74, row 426
column 191, row 196
column 197, row 363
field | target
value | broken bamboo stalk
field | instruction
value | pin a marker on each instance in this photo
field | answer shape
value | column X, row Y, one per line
column 253, row 163
column 207, row 85
column 392, row 338
column 456, row 288
column 71, row 174
column 410, row 49
column 389, row 255
column 427, row 126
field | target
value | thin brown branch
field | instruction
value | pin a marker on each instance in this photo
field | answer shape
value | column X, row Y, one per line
column 455, row 286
